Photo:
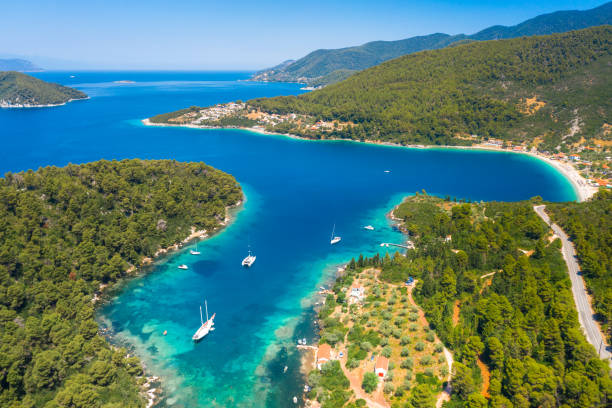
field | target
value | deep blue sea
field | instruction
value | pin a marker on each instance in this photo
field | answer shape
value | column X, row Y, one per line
column 296, row 191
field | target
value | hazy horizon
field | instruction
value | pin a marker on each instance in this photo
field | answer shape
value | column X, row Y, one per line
column 193, row 35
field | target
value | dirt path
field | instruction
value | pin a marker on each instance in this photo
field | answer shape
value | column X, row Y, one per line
column 446, row 393
column 376, row 400
column 486, row 376
column 456, row 311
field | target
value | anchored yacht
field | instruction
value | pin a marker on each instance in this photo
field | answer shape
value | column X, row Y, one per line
column 206, row 327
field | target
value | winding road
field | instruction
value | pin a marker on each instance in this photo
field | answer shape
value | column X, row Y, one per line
column 581, row 298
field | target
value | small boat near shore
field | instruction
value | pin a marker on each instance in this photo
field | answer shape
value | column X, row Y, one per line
column 206, row 327
column 194, row 252
column 183, row 266
column 369, row 228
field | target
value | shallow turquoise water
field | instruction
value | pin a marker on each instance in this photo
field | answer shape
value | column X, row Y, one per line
column 296, row 190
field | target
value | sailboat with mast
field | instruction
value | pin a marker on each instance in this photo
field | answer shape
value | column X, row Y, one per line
column 194, row 252
column 334, row 239
column 206, row 327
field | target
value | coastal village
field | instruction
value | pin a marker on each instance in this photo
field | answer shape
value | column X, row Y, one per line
column 586, row 165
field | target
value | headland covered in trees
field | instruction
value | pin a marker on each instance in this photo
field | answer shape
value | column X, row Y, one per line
column 18, row 90
column 490, row 281
column 65, row 234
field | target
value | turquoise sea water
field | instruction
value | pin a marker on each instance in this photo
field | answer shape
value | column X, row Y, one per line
column 296, row 190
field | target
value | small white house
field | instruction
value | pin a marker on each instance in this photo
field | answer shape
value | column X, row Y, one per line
column 357, row 293
column 382, row 366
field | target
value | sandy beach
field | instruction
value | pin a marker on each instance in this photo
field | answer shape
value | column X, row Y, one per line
column 583, row 190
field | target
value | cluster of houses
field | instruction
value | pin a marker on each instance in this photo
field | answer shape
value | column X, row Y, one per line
column 325, row 354
column 605, row 181
column 220, row 111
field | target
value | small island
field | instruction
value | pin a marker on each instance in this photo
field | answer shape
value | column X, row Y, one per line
column 19, row 90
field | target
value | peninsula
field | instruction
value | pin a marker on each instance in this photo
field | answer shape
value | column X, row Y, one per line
column 490, row 283
column 19, row 90
column 66, row 234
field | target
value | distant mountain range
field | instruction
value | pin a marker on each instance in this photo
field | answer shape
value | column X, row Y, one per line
column 17, row 64
column 19, row 90
column 322, row 67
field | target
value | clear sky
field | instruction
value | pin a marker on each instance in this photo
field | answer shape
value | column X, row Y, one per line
column 235, row 34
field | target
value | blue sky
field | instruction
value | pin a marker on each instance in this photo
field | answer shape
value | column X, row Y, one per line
column 234, row 34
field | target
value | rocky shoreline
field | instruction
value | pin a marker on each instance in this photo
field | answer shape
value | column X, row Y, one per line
column 151, row 388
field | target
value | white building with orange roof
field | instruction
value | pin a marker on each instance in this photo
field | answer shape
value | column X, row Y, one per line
column 324, row 354
column 382, row 366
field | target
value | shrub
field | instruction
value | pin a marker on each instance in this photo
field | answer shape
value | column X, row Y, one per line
column 426, row 360
column 399, row 322
column 413, row 317
column 408, row 376
column 444, row 371
column 405, row 352
column 352, row 364
column 429, row 372
column 366, row 345
column 419, row 346
column 441, row 358
column 407, row 363
column 405, row 340
column 396, row 333
column 370, row 382
column 388, row 389
column 438, row 348
column 386, row 351
column 431, row 337
column 413, row 327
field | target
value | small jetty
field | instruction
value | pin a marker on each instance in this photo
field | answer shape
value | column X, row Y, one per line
column 409, row 245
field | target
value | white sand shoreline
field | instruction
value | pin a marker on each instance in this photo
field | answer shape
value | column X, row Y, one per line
column 8, row 105
column 582, row 189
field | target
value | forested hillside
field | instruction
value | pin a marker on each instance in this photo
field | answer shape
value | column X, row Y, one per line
column 17, row 89
column 63, row 233
column 551, row 88
column 589, row 225
column 322, row 67
column 497, row 292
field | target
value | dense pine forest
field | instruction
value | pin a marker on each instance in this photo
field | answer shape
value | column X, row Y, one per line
column 480, row 88
column 496, row 291
column 63, row 233
column 326, row 66
column 589, row 225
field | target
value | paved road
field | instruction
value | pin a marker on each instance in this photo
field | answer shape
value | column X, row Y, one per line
column 585, row 313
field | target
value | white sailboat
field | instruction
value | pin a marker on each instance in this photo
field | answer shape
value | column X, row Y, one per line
column 183, row 266
column 369, row 228
column 334, row 239
column 249, row 260
column 196, row 252
column 206, row 327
